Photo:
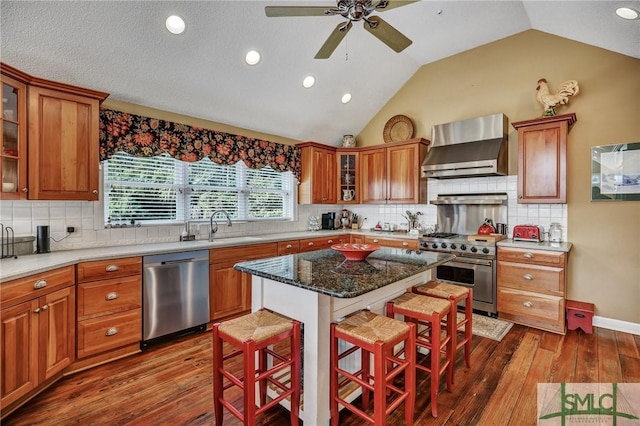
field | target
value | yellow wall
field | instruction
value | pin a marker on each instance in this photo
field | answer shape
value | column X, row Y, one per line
column 604, row 265
column 192, row 121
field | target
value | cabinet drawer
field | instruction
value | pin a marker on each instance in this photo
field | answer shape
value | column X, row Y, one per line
column 531, row 277
column 541, row 307
column 109, row 332
column 109, row 296
column 243, row 253
column 112, row 268
column 392, row 242
column 538, row 257
column 36, row 285
column 311, row 244
column 288, row 247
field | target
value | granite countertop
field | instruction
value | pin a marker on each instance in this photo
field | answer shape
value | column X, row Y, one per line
column 35, row 263
column 328, row 272
column 543, row 245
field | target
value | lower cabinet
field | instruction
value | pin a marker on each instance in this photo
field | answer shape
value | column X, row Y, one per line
column 321, row 243
column 37, row 334
column 229, row 289
column 406, row 243
column 532, row 287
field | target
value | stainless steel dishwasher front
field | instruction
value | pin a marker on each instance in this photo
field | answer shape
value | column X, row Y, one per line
column 175, row 293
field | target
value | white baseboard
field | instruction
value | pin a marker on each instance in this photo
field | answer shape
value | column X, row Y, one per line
column 617, row 325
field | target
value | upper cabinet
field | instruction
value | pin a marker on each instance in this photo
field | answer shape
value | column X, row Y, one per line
column 542, row 159
column 13, row 124
column 62, row 141
column 318, row 182
column 393, row 173
column 348, row 175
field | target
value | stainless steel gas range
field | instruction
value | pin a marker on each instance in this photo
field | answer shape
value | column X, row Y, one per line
column 459, row 216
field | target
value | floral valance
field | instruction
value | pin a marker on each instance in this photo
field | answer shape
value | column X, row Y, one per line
column 148, row 137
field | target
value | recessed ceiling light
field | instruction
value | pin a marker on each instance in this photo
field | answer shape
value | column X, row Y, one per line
column 627, row 13
column 175, row 24
column 308, row 81
column 252, row 57
column 346, row 98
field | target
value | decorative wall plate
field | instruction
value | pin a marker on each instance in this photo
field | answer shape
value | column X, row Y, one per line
column 398, row 128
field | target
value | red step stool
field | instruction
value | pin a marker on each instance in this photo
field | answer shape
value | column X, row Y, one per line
column 580, row 315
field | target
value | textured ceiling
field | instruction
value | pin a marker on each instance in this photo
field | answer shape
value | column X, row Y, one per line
column 123, row 48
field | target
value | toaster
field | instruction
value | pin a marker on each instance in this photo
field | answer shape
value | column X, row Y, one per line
column 527, row 233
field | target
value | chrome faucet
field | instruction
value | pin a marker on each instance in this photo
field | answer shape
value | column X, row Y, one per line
column 212, row 229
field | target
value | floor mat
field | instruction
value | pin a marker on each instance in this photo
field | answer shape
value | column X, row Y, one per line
column 491, row 328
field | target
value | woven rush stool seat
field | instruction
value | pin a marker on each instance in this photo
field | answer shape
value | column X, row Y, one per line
column 429, row 312
column 456, row 294
column 254, row 336
column 375, row 336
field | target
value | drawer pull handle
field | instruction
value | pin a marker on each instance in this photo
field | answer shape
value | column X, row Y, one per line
column 112, row 268
column 330, row 241
column 375, row 240
column 577, row 315
column 405, row 244
column 528, row 277
column 45, row 307
column 528, row 255
column 310, row 243
column 36, row 310
column 40, row 284
column 289, row 246
column 111, row 296
column 112, row 331
column 527, row 305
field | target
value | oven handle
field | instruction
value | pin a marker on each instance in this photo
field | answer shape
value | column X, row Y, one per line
column 472, row 261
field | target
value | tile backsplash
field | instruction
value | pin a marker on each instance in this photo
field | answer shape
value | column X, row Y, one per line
column 25, row 216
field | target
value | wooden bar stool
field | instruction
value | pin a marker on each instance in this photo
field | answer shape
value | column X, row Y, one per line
column 251, row 335
column 374, row 335
column 429, row 312
column 456, row 294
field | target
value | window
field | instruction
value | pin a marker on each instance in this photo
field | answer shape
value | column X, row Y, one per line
column 162, row 190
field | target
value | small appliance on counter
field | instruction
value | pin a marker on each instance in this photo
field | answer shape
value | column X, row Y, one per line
column 329, row 220
column 527, row 233
column 43, row 245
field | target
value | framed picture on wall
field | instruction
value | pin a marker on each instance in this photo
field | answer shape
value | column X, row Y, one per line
column 615, row 172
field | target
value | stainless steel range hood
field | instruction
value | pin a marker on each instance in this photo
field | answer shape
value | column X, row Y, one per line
column 468, row 148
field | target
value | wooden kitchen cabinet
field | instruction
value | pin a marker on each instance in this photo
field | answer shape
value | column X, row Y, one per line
column 229, row 289
column 318, row 180
column 13, row 128
column 406, row 243
column 348, row 175
column 109, row 310
column 37, row 334
column 393, row 173
column 321, row 243
column 288, row 247
column 542, row 159
column 532, row 287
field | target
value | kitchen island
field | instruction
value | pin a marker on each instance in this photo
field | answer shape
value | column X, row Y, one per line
column 319, row 287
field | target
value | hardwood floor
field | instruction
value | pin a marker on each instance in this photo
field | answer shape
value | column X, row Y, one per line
column 171, row 384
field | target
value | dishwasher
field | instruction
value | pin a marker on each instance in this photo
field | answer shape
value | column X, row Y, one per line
column 175, row 295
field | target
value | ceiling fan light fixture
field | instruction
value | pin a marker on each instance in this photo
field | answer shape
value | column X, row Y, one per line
column 308, row 81
column 175, row 24
column 627, row 13
column 346, row 98
column 252, row 57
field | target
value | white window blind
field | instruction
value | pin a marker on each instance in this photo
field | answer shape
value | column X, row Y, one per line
column 158, row 190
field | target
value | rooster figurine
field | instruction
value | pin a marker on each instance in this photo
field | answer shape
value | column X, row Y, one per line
column 561, row 97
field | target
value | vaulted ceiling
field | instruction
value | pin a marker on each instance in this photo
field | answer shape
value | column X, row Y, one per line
column 124, row 49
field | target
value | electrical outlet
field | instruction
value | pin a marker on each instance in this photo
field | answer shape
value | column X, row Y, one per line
column 71, row 229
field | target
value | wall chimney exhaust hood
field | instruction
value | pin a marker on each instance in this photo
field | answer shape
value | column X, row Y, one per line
column 468, row 148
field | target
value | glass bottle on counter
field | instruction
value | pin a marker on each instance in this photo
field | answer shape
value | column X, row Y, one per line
column 555, row 233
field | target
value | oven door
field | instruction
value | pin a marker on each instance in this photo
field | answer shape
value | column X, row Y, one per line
column 479, row 274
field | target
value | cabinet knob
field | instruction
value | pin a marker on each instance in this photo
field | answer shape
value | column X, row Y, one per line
column 45, row 307
column 528, row 255
column 310, row 243
column 520, row 196
column 289, row 246
column 375, row 240
column 95, row 192
column 405, row 244
column 40, row 284
column 111, row 296
column 527, row 304
column 25, row 190
column 528, row 277
column 111, row 268
column 330, row 241
column 36, row 310
column 112, row 331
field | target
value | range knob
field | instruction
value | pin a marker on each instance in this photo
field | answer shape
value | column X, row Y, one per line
column 453, row 246
column 443, row 245
column 473, row 249
column 434, row 245
column 463, row 247
column 485, row 250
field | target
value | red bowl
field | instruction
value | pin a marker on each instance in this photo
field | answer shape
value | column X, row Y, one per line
column 355, row 251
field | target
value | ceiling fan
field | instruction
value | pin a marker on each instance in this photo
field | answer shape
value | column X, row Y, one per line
column 352, row 10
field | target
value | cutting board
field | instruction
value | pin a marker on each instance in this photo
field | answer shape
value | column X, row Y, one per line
column 491, row 238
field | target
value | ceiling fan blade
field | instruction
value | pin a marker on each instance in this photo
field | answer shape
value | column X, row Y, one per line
column 387, row 34
column 277, row 11
column 392, row 4
column 333, row 41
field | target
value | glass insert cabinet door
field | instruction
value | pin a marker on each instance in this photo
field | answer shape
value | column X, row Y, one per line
column 348, row 177
column 14, row 135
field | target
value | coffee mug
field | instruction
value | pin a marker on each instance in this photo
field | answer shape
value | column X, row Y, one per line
column 348, row 194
